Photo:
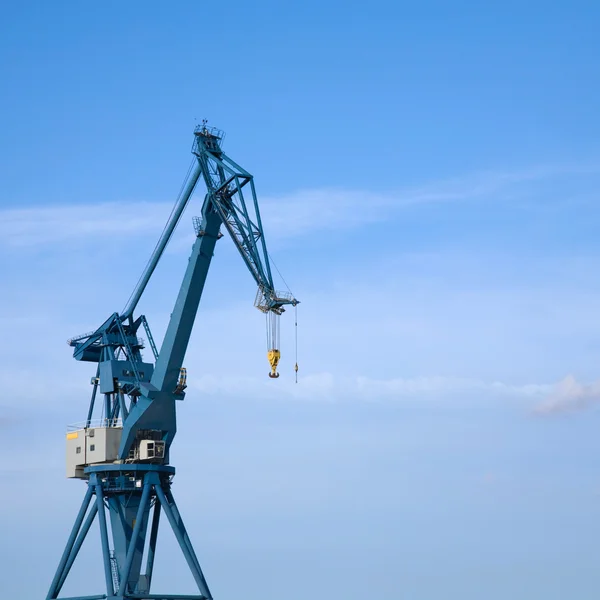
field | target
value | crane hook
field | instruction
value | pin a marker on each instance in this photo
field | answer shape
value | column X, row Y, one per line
column 274, row 355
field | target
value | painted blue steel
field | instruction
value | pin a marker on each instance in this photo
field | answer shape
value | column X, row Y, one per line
column 156, row 486
column 186, row 538
column 188, row 551
column 262, row 237
column 107, row 406
column 140, row 520
column 131, row 467
column 94, row 392
column 123, row 507
column 122, row 405
column 162, row 242
column 77, row 546
column 139, row 597
column 165, row 597
column 225, row 179
column 174, row 346
column 129, row 509
column 144, row 394
column 103, row 534
column 224, row 203
column 149, row 335
column 127, row 346
column 53, row 592
column 98, row 597
column 152, row 544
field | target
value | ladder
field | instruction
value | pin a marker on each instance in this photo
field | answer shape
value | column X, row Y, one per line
column 114, row 568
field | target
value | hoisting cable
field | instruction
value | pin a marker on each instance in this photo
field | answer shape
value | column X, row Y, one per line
column 296, row 340
column 279, row 273
column 273, row 352
column 295, row 314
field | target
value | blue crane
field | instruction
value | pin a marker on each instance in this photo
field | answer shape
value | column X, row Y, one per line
column 124, row 455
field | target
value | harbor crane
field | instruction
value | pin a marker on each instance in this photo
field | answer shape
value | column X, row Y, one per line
column 124, row 455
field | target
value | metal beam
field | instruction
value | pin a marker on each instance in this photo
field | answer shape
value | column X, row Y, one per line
column 162, row 242
column 139, row 521
column 181, row 534
column 103, row 536
column 186, row 537
column 80, row 539
column 164, row 597
column 99, row 597
column 152, row 544
column 177, row 336
column 54, row 590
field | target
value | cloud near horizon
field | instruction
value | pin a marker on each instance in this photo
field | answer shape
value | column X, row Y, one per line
column 327, row 386
column 542, row 399
column 568, row 396
column 453, row 317
column 284, row 216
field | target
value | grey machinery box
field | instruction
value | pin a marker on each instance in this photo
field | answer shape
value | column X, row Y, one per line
column 91, row 445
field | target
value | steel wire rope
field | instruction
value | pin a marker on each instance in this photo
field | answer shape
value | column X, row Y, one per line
column 296, row 339
column 295, row 314
column 280, row 275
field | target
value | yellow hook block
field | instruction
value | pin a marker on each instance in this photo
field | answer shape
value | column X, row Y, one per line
column 273, row 356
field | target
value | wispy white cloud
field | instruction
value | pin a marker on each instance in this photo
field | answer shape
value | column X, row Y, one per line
column 326, row 386
column 338, row 208
column 284, row 216
column 477, row 327
column 56, row 224
column 565, row 396
column 569, row 395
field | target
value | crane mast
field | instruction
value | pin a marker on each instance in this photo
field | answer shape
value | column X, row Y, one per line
column 124, row 455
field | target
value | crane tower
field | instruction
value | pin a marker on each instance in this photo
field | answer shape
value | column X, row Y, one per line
column 123, row 455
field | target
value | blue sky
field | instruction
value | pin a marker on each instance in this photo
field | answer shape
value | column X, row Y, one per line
column 428, row 176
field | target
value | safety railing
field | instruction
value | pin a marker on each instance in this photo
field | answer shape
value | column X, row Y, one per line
column 95, row 424
column 265, row 300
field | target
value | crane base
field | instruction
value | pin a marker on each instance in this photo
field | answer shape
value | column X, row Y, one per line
column 129, row 492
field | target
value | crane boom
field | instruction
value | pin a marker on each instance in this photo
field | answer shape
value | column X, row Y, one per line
column 115, row 345
column 224, row 180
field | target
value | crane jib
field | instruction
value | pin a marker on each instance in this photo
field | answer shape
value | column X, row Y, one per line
column 124, row 378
